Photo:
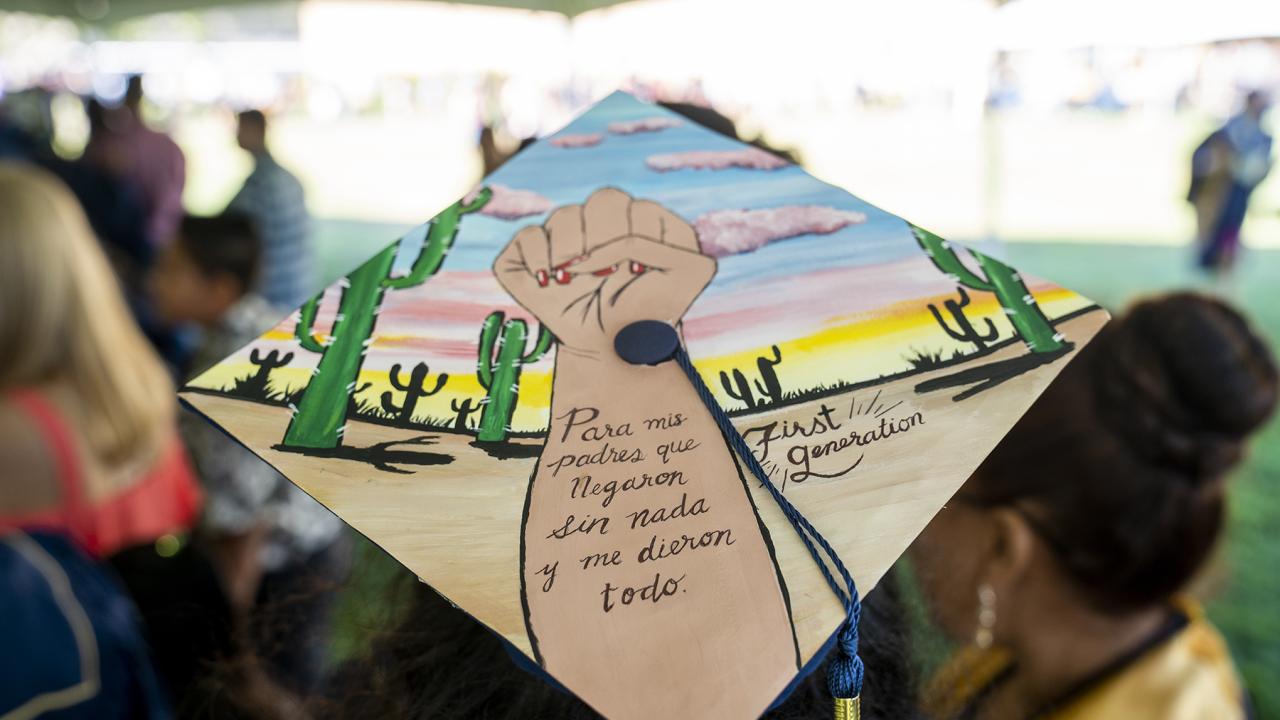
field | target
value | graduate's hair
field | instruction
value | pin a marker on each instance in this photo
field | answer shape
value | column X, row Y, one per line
column 440, row 663
column 718, row 122
column 1121, row 464
column 226, row 244
column 63, row 319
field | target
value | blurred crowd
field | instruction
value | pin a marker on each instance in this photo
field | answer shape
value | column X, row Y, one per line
column 205, row 582
column 112, row 296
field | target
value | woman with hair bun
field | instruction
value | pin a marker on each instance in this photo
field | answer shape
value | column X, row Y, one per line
column 1061, row 561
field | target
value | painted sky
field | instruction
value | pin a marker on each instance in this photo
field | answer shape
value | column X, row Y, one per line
column 848, row 305
column 570, row 174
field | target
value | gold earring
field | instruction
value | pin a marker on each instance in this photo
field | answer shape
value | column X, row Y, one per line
column 984, row 637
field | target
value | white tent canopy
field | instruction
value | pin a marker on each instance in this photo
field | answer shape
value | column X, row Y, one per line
column 1066, row 24
column 108, row 11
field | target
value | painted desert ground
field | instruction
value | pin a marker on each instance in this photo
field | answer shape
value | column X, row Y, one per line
column 461, row 529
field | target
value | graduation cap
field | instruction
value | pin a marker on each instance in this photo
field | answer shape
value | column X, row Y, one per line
column 648, row 402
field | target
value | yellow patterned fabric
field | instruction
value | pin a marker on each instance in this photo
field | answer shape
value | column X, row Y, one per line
column 1187, row 677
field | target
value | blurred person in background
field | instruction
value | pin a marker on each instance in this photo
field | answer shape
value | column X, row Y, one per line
column 88, row 441
column 114, row 211
column 22, row 131
column 89, row 452
column 273, row 198
column 278, row 551
column 73, row 645
column 113, row 206
column 148, row 160
column 1225, row 169
column 1062, row 560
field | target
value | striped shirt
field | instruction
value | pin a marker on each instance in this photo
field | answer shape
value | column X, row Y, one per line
column 241, row 491
column 273, row 198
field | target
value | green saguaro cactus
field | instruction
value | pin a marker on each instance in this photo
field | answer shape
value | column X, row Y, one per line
column 321, row 414
column 1019, row 304
column 502, row 357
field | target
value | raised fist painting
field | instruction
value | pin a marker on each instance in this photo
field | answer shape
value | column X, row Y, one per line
column 591, row 269
column 642, row 553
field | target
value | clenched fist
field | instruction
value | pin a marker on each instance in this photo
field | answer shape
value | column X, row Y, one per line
column 592, row 269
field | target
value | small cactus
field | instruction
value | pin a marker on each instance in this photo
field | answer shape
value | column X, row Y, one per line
column 771, row 388
column 414, row 389
column 463, row 411
column 743, row 392
column 768, row 385
column 256, row 385
column 964, row 331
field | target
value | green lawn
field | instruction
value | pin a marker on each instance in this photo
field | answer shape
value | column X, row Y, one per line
column 1246, row 579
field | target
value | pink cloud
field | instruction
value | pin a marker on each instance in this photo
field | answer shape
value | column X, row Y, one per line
column 511, row 204
column 649, row 124
column 577, row 141
column 729, row 232
column 749, row 158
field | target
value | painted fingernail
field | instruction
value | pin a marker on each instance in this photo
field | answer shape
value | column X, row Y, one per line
column 562, row 276
column 637, row 268
column 541, row 275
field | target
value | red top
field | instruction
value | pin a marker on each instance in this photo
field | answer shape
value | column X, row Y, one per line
column 165, row 499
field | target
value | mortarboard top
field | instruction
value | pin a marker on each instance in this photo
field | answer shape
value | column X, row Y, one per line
column 458, row 400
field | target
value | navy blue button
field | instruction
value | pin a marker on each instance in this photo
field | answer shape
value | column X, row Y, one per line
column 646, row 342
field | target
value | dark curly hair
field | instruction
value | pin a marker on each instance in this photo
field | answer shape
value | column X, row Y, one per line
column 1120, row 464
column 441, row 663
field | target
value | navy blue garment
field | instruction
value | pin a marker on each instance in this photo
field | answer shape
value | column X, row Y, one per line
column 72, row 643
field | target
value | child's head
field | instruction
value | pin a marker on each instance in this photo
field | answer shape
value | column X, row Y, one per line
column 209, row 266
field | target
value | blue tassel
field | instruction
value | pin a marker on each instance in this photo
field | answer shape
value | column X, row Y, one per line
column 844, row 671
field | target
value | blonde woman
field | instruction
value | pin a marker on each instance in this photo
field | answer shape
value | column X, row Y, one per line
column 87, row 439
